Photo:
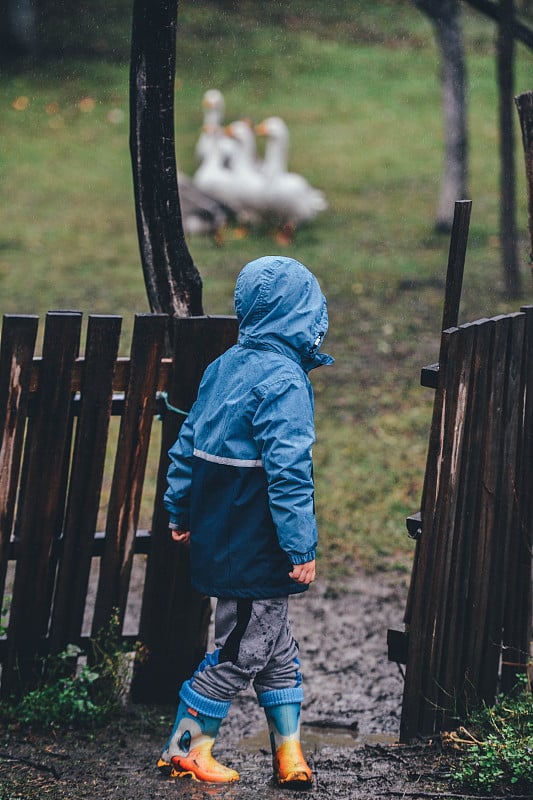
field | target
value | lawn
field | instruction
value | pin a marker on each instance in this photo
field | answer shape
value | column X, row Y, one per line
column 358, row 86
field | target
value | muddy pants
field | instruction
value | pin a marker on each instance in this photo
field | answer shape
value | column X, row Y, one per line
column 253, row 643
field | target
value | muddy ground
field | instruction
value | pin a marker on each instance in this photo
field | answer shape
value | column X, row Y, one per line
column 350, row 723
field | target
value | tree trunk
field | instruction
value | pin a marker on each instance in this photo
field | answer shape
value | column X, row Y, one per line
column 511, row 271
column 445, row 20
column 173, row 283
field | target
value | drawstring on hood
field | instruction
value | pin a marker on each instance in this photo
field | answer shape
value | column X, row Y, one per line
column 280, row 307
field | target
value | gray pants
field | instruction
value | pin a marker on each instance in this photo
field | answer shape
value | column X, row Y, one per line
column 253, row 643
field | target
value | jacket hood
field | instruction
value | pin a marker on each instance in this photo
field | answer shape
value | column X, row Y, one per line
column 280, row 306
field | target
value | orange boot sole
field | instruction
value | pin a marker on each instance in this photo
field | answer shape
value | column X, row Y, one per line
column 200, row 765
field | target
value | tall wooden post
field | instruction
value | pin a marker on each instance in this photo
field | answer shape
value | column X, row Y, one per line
column 172, row 281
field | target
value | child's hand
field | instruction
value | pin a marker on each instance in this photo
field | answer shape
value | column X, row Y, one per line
column 183, row 537
column 303, row 573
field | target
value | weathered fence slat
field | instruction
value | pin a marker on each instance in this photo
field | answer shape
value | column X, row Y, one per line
column 130, row 463
column 174, row 617
column 16, row 352
column 500, row 571
column 517, row 625
column 456, row 263
column 103, row 336
column 461, row 498
column 466, row 502
column 420, row 596
column 41, row 516
column 468, row 505
column 449, row 466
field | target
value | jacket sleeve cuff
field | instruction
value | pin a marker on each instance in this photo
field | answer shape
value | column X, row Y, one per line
column 180, row 523
column 302, row 558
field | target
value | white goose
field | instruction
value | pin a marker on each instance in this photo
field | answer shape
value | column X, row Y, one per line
column 212, row 130
column 289, row 197
column 201, row 213
column 248, row 180
column 276, row 158
column 213, row 178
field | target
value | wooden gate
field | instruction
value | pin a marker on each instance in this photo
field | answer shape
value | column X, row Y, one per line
column 468, row 615
column 55, row 414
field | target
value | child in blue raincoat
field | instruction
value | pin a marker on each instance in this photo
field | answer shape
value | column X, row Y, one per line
column 240, row 492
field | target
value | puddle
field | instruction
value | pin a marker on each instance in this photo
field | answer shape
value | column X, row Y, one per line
column 316, row 737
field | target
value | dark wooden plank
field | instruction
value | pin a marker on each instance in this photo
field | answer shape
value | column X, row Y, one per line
column 170, row 605
column 120, row 378
column 451, row 669
column 16, row 352
column 420, row 591
column 456, row 463
column 450, row 465
column 456, row 263
column 130, row 463
column 103, row 336
column 502, row 580
column 430, row 474
column 517, row 624
column 40, row 508
column 143, row 541
column 428, row 376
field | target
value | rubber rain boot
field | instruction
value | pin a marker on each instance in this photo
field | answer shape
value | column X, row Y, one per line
column 188, row 750
column 290, row 767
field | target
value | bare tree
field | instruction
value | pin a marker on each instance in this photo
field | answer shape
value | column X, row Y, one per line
column 172, row 281
column 445, row 18
column 505, row 57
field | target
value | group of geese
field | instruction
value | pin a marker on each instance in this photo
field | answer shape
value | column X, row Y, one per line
column 232, row 183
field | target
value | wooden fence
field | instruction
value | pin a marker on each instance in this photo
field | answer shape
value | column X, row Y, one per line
column 55, row 414
column 468, row 616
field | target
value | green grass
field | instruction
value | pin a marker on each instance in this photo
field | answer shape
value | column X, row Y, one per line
column 358, row 86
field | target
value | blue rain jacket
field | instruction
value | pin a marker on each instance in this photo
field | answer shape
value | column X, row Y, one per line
column 240, row 477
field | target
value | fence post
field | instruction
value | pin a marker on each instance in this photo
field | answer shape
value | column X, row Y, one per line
column 174, row 617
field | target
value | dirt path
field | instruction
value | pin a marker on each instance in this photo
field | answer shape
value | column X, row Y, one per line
column 349, row 727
